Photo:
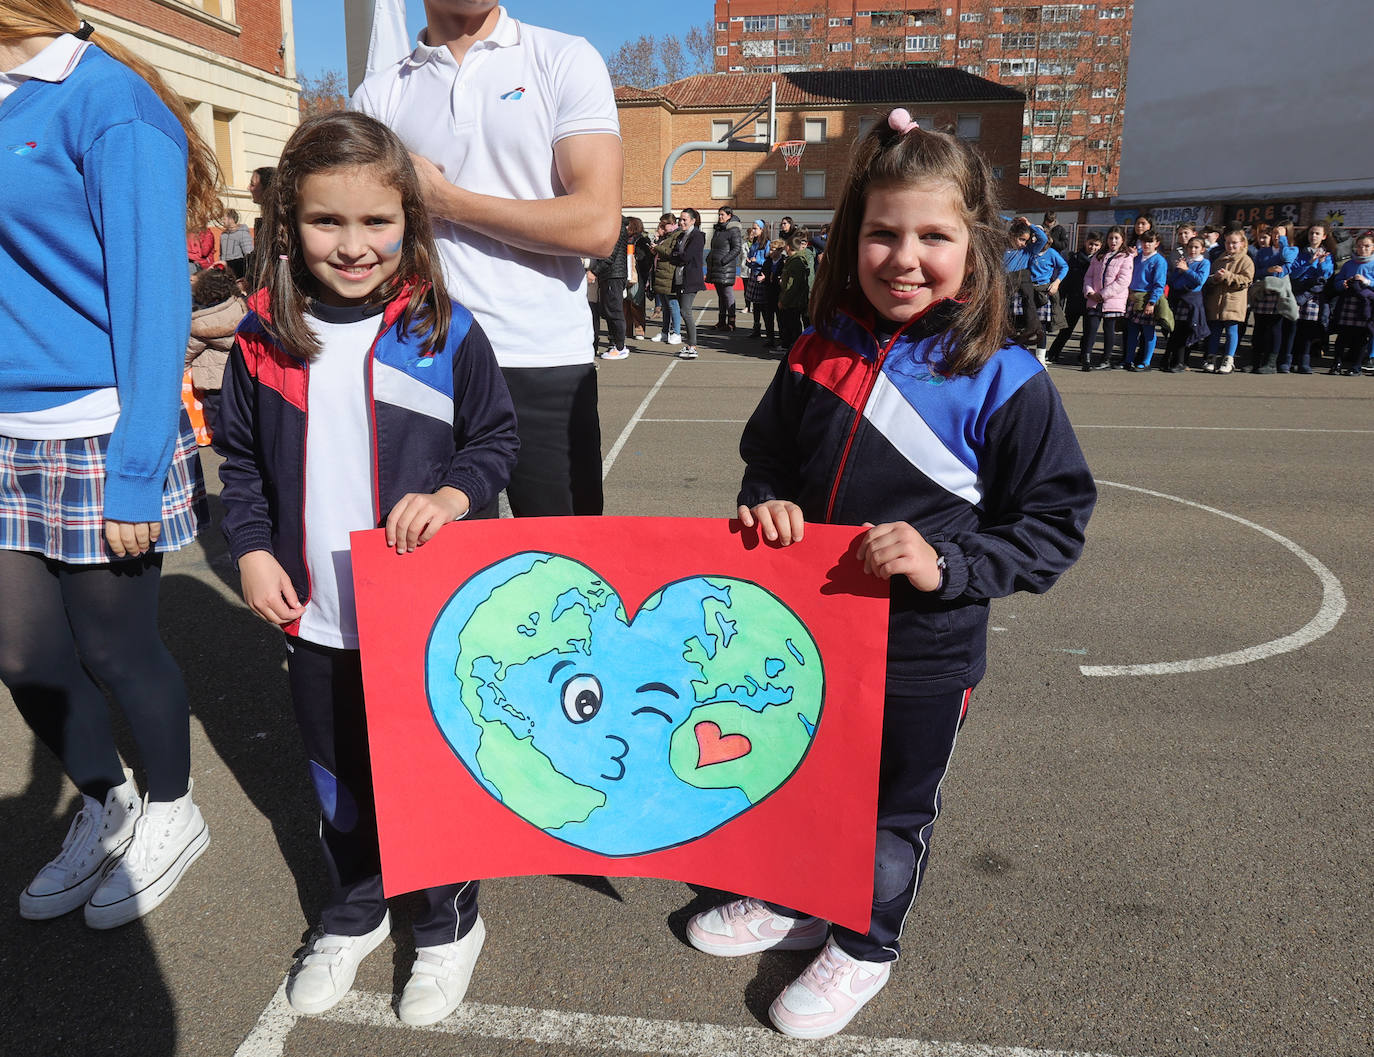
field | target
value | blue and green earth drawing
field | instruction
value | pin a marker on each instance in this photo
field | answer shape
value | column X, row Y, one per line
column 620, row 736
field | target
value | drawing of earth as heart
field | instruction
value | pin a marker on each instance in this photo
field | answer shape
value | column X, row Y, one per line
column 621, row 736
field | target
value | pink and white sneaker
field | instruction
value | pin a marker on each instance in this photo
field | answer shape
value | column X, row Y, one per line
column 825, row 998
column 747, row 926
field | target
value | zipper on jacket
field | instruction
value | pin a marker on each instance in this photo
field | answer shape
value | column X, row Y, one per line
column 305, row 445
column 871, row 381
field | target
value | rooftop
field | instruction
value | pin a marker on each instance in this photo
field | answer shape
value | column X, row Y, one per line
column 921, row 84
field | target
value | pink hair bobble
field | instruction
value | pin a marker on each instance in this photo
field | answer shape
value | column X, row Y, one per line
column 900, row 120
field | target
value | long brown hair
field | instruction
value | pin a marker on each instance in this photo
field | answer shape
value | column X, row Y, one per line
column 35, row 18
column 347, row 140
column 886, row 158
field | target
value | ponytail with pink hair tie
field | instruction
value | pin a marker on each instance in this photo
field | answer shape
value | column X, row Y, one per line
column 900, row 120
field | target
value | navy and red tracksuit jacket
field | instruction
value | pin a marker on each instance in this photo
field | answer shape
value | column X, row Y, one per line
column 441, row 418
column 986, row 468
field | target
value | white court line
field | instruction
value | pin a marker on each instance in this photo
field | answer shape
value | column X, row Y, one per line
column 673, row 1038
column 1330, row 611
column 1225, row 429
column 614, row 453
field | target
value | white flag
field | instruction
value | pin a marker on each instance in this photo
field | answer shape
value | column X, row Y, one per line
column 390, row 39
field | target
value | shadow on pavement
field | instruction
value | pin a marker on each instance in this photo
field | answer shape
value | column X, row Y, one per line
column 68, row 988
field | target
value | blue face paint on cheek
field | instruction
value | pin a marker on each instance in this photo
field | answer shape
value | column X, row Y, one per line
column 396, row 246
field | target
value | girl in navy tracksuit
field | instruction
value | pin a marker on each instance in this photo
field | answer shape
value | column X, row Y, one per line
column 1149, row 273
column 905, row 409
column 357, row 395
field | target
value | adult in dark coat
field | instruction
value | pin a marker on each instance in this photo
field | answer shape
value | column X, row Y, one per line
column 611, row 273
column 722, row 265
column 688, row 254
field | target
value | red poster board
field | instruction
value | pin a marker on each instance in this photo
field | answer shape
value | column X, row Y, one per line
column 635, row 697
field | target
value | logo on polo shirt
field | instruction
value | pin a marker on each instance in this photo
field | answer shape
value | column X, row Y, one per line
column 514, row 93
column 22, row 148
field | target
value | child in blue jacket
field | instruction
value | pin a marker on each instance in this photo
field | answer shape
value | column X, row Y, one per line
column 1149, row 273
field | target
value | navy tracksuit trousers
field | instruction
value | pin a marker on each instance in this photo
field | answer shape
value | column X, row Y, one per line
column 327, row 694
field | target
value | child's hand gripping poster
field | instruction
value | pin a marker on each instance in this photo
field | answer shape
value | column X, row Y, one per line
column 635, row 697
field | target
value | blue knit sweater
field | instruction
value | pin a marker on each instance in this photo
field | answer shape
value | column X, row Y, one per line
column 93, row 290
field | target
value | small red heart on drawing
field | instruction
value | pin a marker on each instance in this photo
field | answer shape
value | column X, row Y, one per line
column 715, row 747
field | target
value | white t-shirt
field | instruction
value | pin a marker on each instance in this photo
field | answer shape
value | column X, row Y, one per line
column 338, row 471
column 491, row 125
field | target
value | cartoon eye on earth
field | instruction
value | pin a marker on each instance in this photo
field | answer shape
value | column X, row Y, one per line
column 581, row 698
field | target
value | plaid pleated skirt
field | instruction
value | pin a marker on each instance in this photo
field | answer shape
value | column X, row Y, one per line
column 1044, row 313
column 1349, row 311
column 1265, row 302
column 52, row 497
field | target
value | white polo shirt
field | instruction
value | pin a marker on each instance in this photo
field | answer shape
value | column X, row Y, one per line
column 491, row 125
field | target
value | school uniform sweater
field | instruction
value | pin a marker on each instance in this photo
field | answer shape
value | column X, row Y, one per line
column 1018, row 258
column 1048, row 266
column 986, row 468
column 93, row 291
column 1149, row 274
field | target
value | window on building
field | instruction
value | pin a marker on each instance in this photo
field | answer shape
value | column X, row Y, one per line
column 736, row 69
column 1099, row 144
column 224, row 145
column 1093, row 170
column 1060, row 13
column 973, row 68
column 969, row 126
column 971, row 42
column 759, row 23
column 1108, row 119
column 722, row 49
column 841, row 45
column 813, row 183
column 757, row 49
column 722, row 185
column 719, row 130
column 931, row 43
column 1058, row 41
column 1046, row 117
column 971, row 16
column 761, row 132
column 765, row 184
column 847, row 20
column 1015, row 41
column 813, row 130
column 1018, row 67
column 1111, row 12
column 1010, row 18
column 787, row 47
column 866, row 125
column 793, row 22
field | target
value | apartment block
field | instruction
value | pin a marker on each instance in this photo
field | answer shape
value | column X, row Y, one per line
column 1068, row 59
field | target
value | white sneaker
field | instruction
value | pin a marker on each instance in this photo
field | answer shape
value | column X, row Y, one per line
column 827, row 995
column 439, row 979
column 657, row 337
column 616, row 354
column 1040, row 355
column 168, row 837
column 689, row 353
column 97, row 837
column 674, row 339
column 747, row 926
column 325, row 972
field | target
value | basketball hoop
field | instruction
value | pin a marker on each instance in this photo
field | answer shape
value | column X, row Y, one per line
column 791, row 152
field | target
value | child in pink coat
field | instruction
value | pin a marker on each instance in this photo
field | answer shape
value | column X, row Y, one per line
column 1104, row 290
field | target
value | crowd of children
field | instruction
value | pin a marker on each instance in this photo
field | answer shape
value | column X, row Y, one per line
column 1201, row 297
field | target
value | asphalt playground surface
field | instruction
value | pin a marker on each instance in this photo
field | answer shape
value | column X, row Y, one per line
column 1157, row 831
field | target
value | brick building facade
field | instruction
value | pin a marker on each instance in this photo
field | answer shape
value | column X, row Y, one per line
column 1068, row 59
column 827, row 109
column 232, row 61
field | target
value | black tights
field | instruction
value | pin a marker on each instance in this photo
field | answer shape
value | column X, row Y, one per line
column 62, row 627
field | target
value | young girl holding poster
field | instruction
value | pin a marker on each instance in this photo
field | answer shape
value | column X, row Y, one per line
column 357, row 395
column 905, row 409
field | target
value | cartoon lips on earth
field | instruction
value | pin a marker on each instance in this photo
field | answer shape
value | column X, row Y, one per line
column 622, row 736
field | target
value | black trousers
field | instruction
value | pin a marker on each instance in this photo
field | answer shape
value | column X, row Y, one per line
column 62, row 628
column 327, row 695
column 1091, row 322
column 613, row 309
column 790, row 324
column 559, row 467
column 918, row 743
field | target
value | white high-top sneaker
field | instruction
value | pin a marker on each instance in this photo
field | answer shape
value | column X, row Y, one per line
column 97, row 837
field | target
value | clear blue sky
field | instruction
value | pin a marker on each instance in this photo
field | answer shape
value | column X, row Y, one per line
column 320, row 33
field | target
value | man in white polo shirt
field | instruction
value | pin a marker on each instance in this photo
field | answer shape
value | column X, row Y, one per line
column 515, row 135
